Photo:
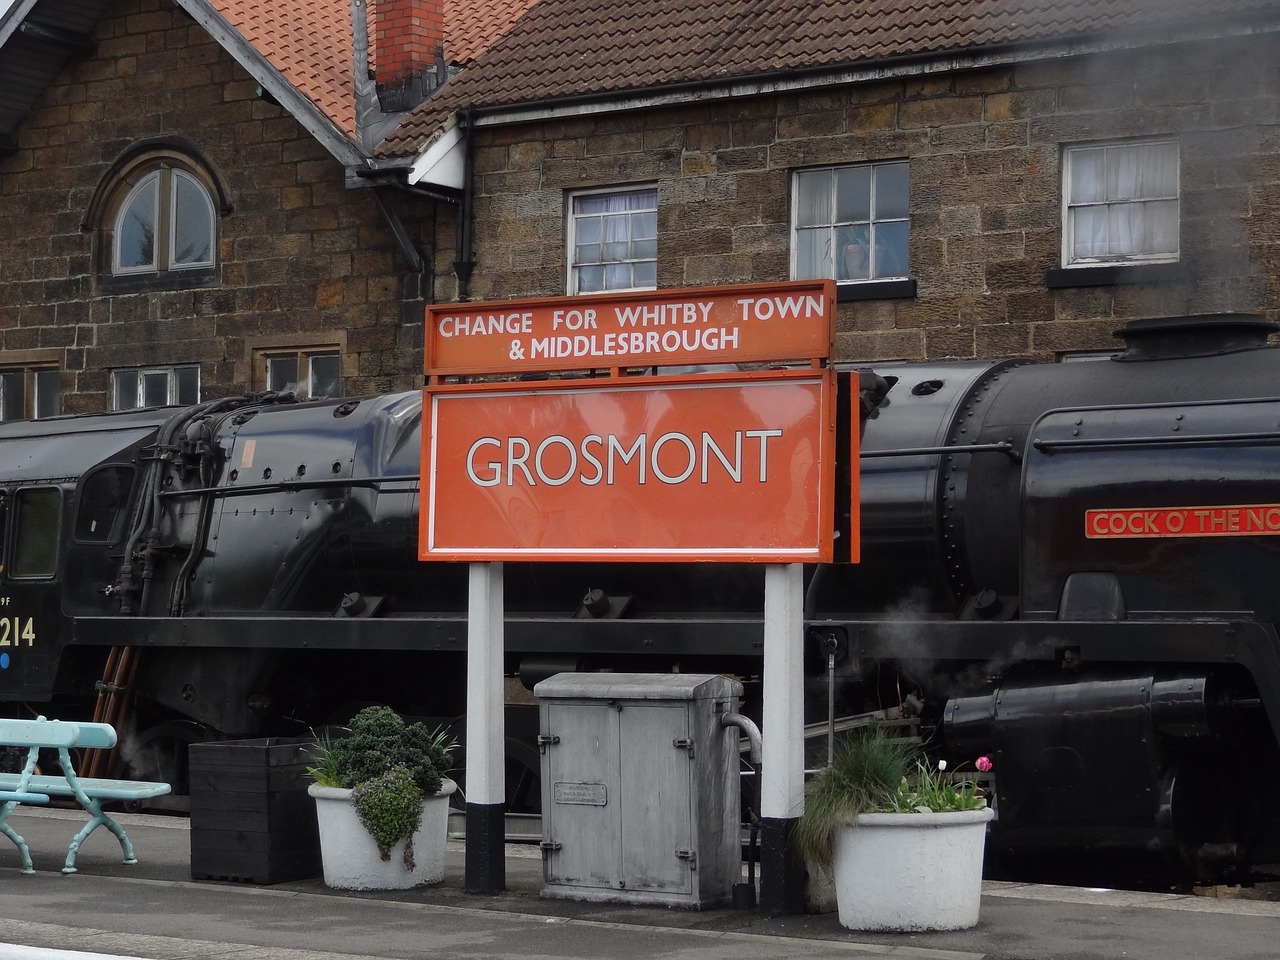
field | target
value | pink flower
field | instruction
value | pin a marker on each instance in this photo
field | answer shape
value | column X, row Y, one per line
column 983, row 764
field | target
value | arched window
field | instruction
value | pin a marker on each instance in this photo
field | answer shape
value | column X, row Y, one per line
column 157, row 215
column 166, row 222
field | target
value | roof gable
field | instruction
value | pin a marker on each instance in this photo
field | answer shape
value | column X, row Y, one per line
column 302, row 52
column 311, row 43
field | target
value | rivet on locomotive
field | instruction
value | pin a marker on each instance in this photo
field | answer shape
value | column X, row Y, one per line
column 1073, row 568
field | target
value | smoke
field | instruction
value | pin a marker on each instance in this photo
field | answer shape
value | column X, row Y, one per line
column 920, row 645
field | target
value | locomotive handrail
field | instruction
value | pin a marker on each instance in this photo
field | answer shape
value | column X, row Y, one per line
column 248, row 488
column 1181, row 440
column 1003, row 446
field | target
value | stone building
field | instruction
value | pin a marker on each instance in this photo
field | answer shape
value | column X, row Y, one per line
column 1019, row 177
column 180, row 215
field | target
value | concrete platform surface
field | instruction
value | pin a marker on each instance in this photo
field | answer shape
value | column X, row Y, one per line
column 156, row 911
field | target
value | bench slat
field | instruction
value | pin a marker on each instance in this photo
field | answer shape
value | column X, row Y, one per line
column 100, row 736
column 7, row 796
column 40, row 733
column 98, row 789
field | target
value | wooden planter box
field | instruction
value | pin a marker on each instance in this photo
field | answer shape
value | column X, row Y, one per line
column 251, row 817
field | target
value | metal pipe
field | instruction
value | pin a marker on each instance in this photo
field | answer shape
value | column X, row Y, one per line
column 465, row 263
column 747, row 726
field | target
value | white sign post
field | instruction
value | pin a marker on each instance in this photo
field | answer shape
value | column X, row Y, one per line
column 485, row 787
column 782, row 732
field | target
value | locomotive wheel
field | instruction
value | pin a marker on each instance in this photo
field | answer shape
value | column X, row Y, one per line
column 522, row 780
column 160, row 753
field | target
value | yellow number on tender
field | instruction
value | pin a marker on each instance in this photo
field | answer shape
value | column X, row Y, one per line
column 14, row 630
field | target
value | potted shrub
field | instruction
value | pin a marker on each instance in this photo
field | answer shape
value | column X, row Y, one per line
column 382, row 802
column 903, row 840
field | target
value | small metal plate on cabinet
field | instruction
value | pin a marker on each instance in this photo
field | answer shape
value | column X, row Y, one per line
column 590, row 794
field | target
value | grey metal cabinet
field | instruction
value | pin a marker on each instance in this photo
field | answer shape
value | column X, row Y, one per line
column 640, row 788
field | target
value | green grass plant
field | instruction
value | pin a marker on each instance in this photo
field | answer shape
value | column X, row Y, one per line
column 874, row 771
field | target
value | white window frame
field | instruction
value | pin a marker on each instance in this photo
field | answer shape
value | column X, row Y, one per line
column 118, row 228
column 164, row 248
column 304, row 359
column 141, row 373
column 835, row 226
column 572, row 221
column 1114, row 200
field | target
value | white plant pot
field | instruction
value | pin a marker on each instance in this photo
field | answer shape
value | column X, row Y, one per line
column 910, row 871
column 350, row 857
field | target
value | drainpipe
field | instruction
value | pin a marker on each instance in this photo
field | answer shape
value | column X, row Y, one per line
column 465, row 264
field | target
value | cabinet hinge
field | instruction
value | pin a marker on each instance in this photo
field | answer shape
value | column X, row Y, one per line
column 689, row 855
column 683, row 743
column 549, row 846
column 546, row 740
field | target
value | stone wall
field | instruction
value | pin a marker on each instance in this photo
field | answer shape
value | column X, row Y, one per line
column 302, row 260
column 985, row 148
column 300, row 257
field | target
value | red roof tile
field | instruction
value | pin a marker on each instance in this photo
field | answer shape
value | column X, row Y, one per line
column 570, row 48
column 311, row 42
column 472, row 26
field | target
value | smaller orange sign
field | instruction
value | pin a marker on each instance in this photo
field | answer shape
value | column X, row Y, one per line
column 1244, row 520
column 749, row 323
column 714, row 467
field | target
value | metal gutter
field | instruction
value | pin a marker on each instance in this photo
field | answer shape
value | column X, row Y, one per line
column 434, row 156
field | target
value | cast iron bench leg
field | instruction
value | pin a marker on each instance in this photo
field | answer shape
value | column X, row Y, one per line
column 99, row 819
column 12, row 834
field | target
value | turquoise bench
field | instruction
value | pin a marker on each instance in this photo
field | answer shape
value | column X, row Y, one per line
column 31, row 787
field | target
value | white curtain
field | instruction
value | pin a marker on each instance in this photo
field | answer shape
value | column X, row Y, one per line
column 1124, row 201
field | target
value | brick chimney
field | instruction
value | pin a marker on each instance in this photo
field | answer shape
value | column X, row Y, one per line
column 408, row 40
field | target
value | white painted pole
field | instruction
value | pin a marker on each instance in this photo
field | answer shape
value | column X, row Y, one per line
column 485, row 734
column 782, row 727
column 486, row 770
column 782, row 760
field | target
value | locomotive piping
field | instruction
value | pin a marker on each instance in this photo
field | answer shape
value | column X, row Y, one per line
column 1004, row 447
column 1173, row 441
column 290, row 485
column 125, row 586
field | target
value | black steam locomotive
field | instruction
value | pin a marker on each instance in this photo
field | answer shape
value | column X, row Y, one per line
column 1072, row 568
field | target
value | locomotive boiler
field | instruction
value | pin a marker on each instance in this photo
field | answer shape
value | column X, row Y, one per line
column 1071, row 568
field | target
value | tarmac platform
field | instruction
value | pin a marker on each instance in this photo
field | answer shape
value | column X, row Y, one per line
column 155, row 910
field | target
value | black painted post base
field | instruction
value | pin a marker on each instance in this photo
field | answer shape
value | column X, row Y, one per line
column 782, row 874
column 486, row 860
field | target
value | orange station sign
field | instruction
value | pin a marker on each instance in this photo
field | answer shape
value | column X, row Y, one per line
column 750, row 323
column 725, row 466
column 713, row 468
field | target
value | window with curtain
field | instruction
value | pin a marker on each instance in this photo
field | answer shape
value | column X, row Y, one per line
column 154, row 387
column 613, row 240
column 851, row 223
column 1121, row 203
